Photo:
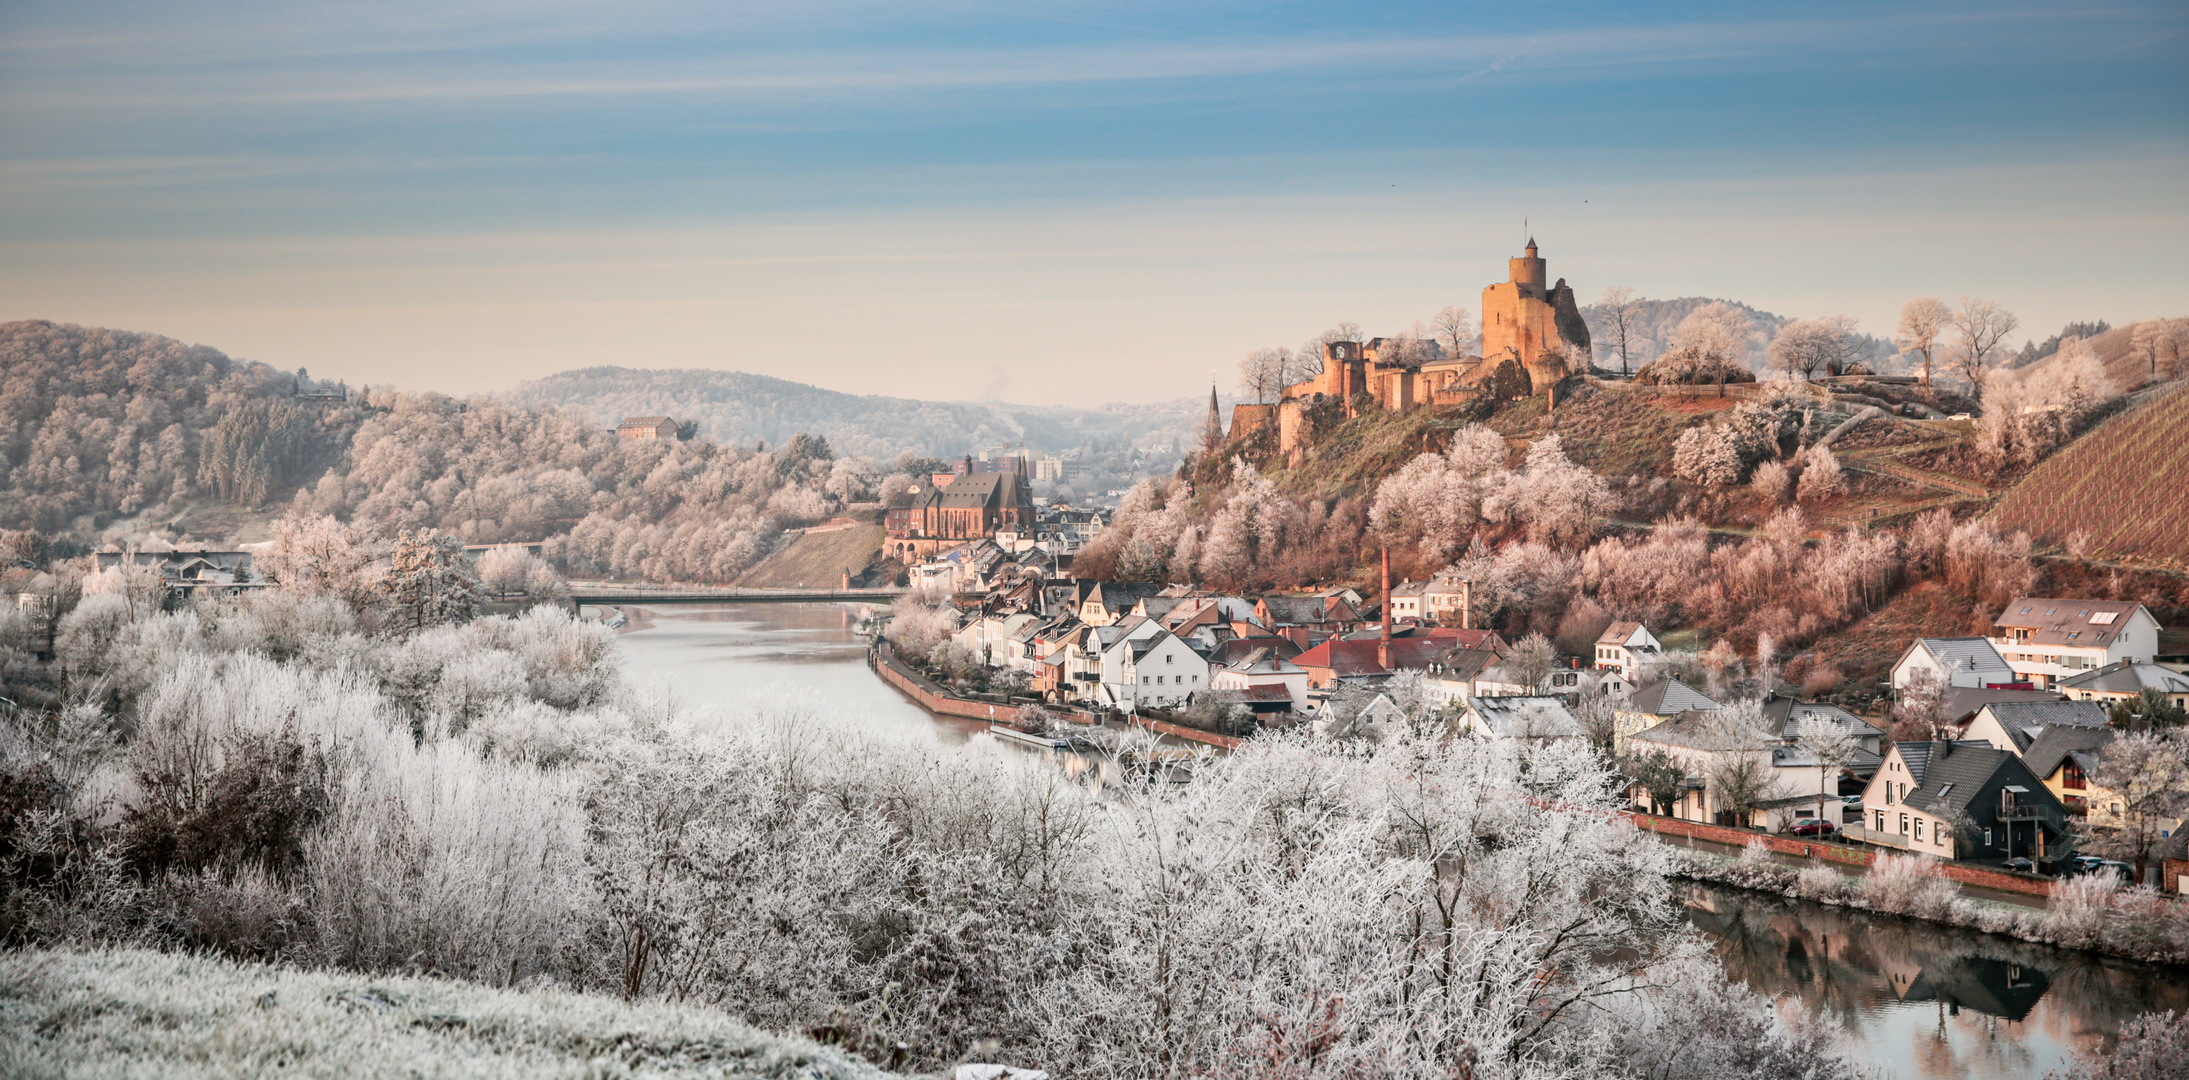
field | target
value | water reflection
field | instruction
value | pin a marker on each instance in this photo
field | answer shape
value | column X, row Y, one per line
column 1919, row 1000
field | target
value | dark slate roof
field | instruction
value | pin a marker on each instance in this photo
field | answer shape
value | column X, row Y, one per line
column 1962, row 702
column 1668, row 697
column 1956, row 773
column 1297, row 610
column 2128, row 678
column 1461, row 663
column 2062, row 741
column 1236, row 649
column 1120, row 596
column 1348, row 702
column 2023, row 720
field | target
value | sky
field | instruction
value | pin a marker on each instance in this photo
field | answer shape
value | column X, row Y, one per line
column 1054, row 203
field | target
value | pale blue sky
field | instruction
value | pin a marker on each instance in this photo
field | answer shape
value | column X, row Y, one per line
column 1105, row 202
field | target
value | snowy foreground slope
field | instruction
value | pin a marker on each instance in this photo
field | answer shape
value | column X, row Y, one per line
column 158, row 1015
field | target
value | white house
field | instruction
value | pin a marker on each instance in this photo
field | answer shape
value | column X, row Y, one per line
column 1157, row 670
column 1406, row 600
column 1259, row 669
column 2119, row 682
column 1625, row 647
column 1653, row 704
column 1961, row 661
column 2047, row 641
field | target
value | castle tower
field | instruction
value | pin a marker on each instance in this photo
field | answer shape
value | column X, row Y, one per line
column 1528, row 272
column 1538, row 326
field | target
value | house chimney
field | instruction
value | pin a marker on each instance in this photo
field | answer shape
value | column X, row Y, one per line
column 1467, row 605
column 1383, row 648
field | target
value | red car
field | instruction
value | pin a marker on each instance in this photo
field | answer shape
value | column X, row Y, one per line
column 1813, row 827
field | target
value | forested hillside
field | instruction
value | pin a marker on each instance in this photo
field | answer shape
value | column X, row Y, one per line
column 737, row 407
column 108, row 422
column 137, row 438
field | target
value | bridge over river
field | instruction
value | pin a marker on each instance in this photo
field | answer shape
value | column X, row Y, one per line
column 595, row 593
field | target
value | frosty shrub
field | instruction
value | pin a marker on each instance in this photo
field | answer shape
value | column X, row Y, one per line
column 1771, row 480
column 1822, row 883
column 1820, row 475
column 2151, row 1047
column 921, row 620
column 2080, row 908
column 1908, row 885
column 1756, row 853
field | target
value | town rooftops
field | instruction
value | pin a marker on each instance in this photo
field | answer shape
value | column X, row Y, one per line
column 2125, row 677
column 2068, row 622
column 1619, row 633
column 1238, row 648
column 1668, row 697
column 1696, row 729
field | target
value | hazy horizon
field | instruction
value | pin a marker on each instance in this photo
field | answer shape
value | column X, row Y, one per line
column 1054, row 204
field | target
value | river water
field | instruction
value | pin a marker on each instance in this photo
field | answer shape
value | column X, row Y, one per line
column 1916, row 1001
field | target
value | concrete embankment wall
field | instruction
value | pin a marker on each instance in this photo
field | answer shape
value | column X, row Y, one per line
column 1852, row 857
column 932, row 698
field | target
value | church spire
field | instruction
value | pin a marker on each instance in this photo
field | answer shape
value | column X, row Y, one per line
column 1214, row 436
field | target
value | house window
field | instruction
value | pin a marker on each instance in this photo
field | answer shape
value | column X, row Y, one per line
column 1881, row 821
column 1169, row 659
column 1919, row 830
column 1903, row 824
column 2071, row 777
column 1987, row 837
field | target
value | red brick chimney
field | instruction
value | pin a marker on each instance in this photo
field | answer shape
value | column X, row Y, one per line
column 1467, row 605
column 1383, row 647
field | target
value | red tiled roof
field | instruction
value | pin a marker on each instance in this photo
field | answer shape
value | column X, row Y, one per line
column 1360, row 657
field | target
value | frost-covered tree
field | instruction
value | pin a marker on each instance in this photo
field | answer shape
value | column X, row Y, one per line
column 429, row 582
column 1982, row 326
column 2146, row 776
column 1833, row 747
column 1703, row 454
column 1923, row 321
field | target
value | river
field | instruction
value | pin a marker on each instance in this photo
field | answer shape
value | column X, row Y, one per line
column 1917, row 1001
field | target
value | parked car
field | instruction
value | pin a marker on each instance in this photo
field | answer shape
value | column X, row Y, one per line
column 1813, row 827
column 2020, row 865
column 2092, row 864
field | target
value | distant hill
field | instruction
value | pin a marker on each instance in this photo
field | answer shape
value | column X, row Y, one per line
column 1651, row 323
column 739, row 407
column 2125, row 364
column 2121, row 483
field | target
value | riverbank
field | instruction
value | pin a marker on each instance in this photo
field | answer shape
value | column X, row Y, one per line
column 2129, row 924
column 938, row 700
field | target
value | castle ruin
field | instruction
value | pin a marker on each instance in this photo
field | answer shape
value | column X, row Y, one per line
column 1533, row 338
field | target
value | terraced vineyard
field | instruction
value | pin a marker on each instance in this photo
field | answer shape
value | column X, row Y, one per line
column 2126, row 483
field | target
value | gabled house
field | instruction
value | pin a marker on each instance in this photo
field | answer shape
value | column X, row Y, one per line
column 1353, row 711
column 1654, row 704
column 1961, row 702
column 2013, row 725
column 1534, row 717
column 1453, row 675
column 647, row 428
column 1627, row 647
column 2047, row 641
column 1962, row 800
column 1786, row 713
column 1260, row 671
column 1109, row 601
column 1789, row 782
column 2125, row 680
column 1962, row 661
column 1406, row 600
column 1154, row 670
column 1307, row 619
column 2064, row 756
